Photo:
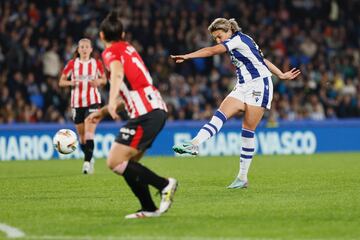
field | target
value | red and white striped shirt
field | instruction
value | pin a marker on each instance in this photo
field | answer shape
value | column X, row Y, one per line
column 137, row 90
column 83, row 94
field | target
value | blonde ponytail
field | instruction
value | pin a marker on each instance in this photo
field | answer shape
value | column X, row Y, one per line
column 234, row 25
column 224, row 25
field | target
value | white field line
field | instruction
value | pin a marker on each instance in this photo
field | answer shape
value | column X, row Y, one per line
column 11, row 232
column 142, row 238
column 161, row 238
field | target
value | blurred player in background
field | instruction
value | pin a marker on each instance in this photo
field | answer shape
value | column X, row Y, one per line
column 252, row 94
column 87, row 74
column 147, row 112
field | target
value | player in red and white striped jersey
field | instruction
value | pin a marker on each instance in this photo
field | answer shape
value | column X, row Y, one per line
column 131, row 81
column 86, row 74
column 137, row 91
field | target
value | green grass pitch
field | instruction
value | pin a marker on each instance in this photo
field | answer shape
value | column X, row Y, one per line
column 290, row 197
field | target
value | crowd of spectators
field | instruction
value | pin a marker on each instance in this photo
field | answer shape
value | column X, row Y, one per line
column 322, row 38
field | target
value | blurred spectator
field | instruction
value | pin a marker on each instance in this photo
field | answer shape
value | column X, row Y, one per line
column 318, row 36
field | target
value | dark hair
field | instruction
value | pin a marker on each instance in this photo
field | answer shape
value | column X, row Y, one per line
column 112, row 27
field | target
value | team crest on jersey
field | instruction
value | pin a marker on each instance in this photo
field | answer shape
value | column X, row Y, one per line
column 108, row 55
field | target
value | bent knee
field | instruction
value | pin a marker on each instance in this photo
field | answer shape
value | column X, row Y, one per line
column 111, row 164
column 89, row 135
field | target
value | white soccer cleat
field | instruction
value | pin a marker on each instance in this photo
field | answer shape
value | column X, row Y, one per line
column 143, row 214
column 92, row 166
column 167, row 195
column 186, row 148
column 237, row 183
column 86, row 169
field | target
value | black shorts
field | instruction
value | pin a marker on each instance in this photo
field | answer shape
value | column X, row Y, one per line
column 141, row 132
column 79, row 114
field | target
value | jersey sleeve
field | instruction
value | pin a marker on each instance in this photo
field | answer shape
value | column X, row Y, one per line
column 68, row 68
column 232, row 43
column 110, row 56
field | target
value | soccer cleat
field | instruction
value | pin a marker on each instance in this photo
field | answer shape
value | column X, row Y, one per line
column 92, row 166
column 237, row 183
column 143, row 214
column 186, row 148
column 167, row 195
column 86, row 169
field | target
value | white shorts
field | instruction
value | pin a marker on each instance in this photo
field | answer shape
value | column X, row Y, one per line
column 258, row 92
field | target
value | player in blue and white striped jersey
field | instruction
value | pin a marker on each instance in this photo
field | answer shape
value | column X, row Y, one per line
column 252, row 94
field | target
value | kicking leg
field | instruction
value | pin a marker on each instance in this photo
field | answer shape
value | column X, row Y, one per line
column 228, row 108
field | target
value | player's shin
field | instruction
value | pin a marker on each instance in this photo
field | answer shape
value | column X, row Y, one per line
column 210, row 129
column 140, row 189
column 247, row 153
column 89, row 149
column 147, row 176
column 83, row 148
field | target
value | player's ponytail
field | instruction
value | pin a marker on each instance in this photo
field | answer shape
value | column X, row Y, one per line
column 114, row 16
column 112, row 27
column 234, row 25
column 76, row 54
column 224, row 25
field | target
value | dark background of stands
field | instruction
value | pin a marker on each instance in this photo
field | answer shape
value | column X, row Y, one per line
column 321, row 38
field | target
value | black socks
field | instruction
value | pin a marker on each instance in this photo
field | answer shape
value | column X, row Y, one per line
column 83, row 147
column 142, row 192
column 146, row 176
column 138, row 178
column 89, row 150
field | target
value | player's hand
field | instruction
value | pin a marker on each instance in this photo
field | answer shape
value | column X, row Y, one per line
column 179, row 58
column 112, row 111
column 94, row 83
column 95, row 117
column 289, row 75
column 74, row 83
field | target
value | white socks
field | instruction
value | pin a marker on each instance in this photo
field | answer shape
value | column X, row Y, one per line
column 210, row 129
column 247, row 152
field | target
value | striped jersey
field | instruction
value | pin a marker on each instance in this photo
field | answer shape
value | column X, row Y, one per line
column 83, row 94
column 137, row 90
column 246, row 57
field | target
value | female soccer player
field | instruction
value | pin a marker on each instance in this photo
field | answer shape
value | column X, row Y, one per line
column 87, row 74
column 147, row 112
column 252, row 93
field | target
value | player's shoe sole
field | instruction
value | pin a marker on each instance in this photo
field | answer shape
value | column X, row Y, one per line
column 237, row 183
column 143, row 214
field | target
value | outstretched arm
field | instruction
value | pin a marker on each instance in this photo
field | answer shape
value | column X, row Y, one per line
column 204, row 52
column 289, row 75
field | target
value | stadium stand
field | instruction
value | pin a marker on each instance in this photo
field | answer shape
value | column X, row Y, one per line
column 322, row 38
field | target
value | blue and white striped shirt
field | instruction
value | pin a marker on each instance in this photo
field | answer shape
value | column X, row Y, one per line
column 246, row 57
